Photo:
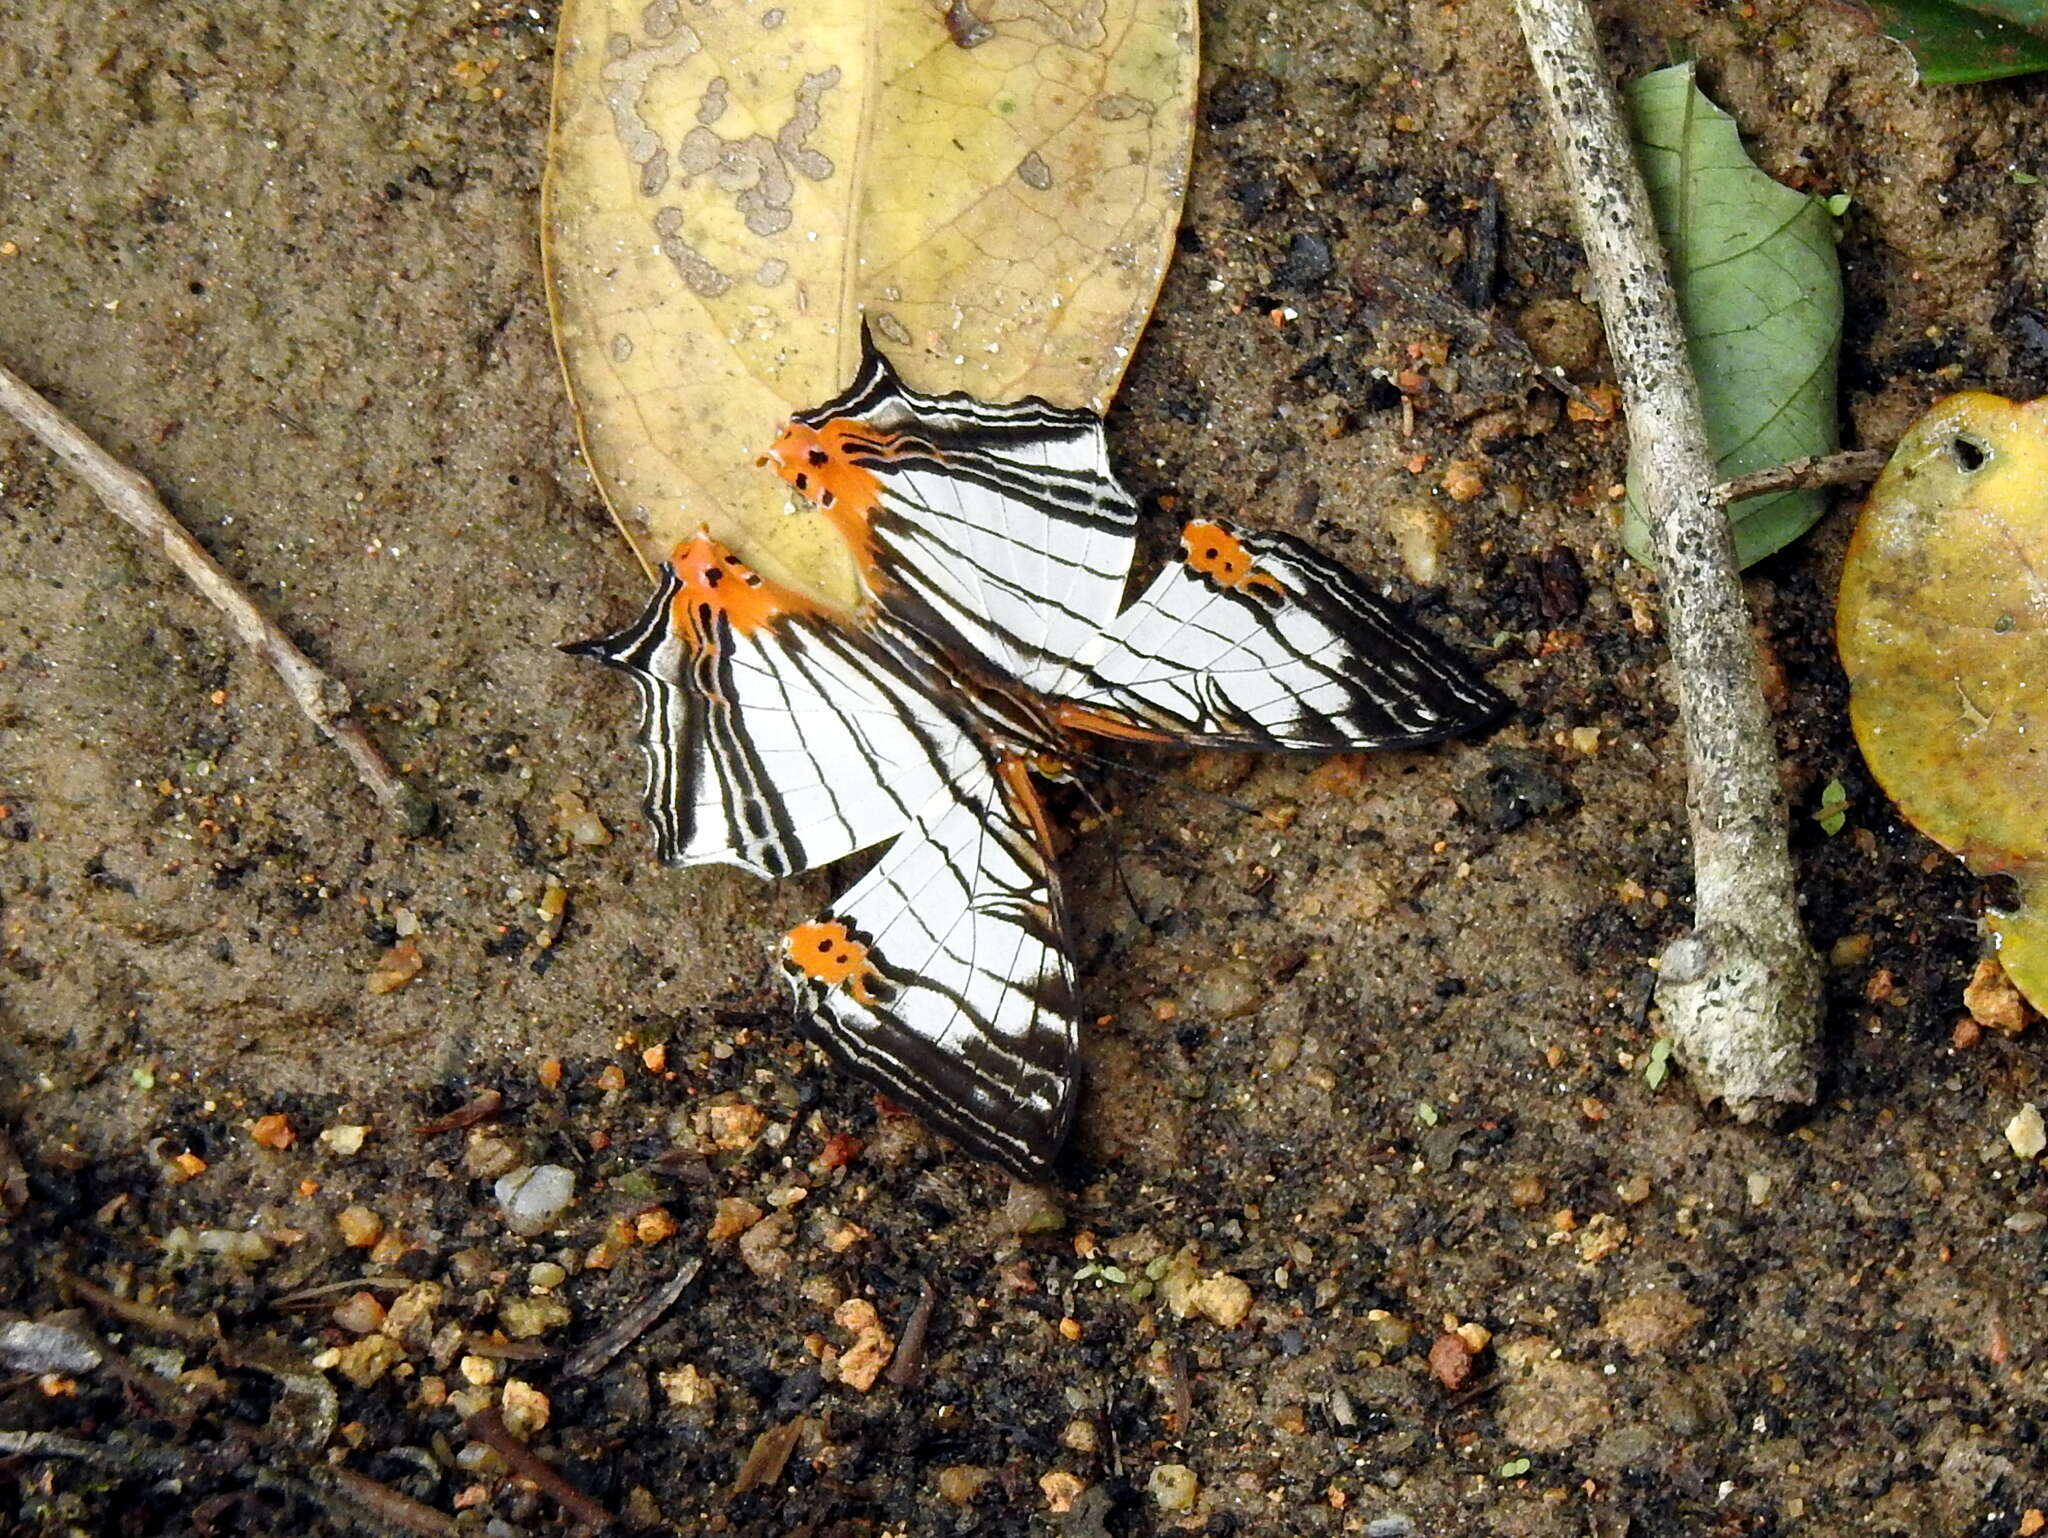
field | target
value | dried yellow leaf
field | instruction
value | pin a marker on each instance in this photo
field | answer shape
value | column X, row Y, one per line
column 733, row 187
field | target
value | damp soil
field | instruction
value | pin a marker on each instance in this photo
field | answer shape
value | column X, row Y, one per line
column 1373, row 1037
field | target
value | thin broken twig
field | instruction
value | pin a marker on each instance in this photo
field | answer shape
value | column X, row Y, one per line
column 489, row 1428
column 1741, row 993
column 324, row 700
column 1852, row 467
column 393, row 1507
column 486, row 1104
column 634, row 1323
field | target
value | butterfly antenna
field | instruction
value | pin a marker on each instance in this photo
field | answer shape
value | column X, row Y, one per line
column 1116, row 849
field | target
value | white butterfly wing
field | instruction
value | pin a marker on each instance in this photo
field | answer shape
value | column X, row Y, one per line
column 942, row 977
column 775, row 739
column 1257, row 640
column 997, row 532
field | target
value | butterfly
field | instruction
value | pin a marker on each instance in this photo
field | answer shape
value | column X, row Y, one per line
column 994, row 546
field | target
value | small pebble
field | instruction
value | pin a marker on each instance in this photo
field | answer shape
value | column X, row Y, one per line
column 359, row 1313
column 545, row 1276
column 1061, row 1489
column 688, row 1389
column 345, row 1140
column 733, row 1216
column 359, row 1227
column 534, row 1196
column 1173, row 1487
column 524, row 1318
column 2026, row 1133
column 1993, row 1001
column 525, row 1408
column 273, row 1131
column 960, row 1483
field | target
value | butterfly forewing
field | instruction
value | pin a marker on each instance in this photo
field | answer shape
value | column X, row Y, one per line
column 942, row 976
column 776, row 740
column 1256, row 640
column 998, row 532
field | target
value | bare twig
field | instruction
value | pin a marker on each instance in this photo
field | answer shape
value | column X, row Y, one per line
column 129, row 497
column 393, row 1507
column 486, row 1104
column 1741, row 993
column 634, row 1323
column 145, row 1315
column 489, row 1428
column 1852, row 467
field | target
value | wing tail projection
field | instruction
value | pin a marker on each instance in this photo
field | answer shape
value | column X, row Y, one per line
column 1256, row 640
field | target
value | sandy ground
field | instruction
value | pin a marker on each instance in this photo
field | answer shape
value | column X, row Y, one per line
column 1369, row 1066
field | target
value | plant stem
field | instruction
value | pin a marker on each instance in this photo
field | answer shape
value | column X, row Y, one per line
column 129, row 496
column 1741, row 993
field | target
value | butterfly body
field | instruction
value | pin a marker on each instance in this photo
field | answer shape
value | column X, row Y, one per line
column 995, row 547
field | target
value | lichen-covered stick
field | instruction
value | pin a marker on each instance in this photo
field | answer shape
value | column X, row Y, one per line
column 1741, row 993
column 127, row 495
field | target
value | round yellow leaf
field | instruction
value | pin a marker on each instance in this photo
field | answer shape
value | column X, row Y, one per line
column 1942, row 623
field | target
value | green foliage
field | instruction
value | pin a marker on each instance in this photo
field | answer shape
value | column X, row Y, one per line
column 1760, row 293
column 1658, row 1068
column 1833, row 799
column 1955, row 44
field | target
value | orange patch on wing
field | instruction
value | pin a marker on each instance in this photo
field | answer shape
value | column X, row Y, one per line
column 819, row 463
column 715, row 581
column 823, row 950
column 1220, row 556
column 1100, row 723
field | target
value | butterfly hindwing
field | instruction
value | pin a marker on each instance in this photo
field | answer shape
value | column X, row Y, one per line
column 776, row 740
column 942, row 978
column 996, row 531
column 1256, row 640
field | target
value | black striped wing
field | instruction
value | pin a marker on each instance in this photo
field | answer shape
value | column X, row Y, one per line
column 778, row 740
column 775, row 739
column 1256, row 640
column 942, row 977
column 996, row 531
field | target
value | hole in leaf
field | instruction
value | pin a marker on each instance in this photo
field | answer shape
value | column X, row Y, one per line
column 1970, row 455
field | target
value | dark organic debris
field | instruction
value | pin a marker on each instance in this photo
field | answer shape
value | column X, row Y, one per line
column 13, row 1177
column 489, row 1428
column 768, row 1457
column 1308, row 263
column 908, row 1365
column 635, row 1322
column 965, row 28
column 1516, row 787
column 486, row 1105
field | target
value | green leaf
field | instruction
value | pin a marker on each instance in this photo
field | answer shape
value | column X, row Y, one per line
column 1760, row 293
column 1838, row 203
column 1956, row 44
column 1832, row 798
column 1514, row 1469
column 1425, row 1113
column 1658, row 1069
